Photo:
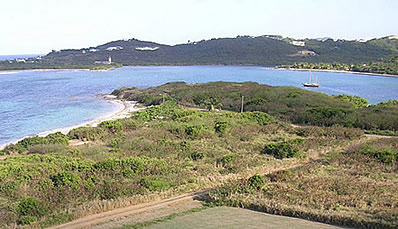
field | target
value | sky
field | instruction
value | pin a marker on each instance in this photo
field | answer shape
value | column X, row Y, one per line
column 39, row 26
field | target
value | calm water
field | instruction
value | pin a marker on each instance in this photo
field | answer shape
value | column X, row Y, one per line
column 35, row 101
column 21, row 56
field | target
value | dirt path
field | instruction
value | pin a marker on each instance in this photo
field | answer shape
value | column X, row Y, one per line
column 95, row 219
column 379, row 136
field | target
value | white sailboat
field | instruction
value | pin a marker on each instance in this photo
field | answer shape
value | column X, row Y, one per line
column 310, row 83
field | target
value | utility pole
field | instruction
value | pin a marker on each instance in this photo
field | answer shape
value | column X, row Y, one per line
column 241, row 108
column 163, row 98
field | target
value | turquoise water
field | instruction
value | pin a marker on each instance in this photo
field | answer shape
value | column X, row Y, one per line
column 35, row 101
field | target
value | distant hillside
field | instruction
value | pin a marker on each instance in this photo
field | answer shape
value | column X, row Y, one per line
column 243, row 50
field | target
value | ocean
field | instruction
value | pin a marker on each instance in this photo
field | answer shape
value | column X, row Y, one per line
column 32, row 102
column 20, row 56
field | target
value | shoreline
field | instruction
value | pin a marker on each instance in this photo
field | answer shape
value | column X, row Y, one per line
column 122, row 111
column 336, row 71
column 14, row 71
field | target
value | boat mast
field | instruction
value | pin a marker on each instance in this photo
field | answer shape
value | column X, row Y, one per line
column 310, row 77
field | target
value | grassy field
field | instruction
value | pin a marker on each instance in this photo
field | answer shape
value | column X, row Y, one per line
column 227, row 217
column 353, row 188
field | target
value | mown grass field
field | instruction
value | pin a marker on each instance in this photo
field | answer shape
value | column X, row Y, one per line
column 226, row 217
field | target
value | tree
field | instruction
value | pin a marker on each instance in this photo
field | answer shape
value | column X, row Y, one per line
column 212, row 104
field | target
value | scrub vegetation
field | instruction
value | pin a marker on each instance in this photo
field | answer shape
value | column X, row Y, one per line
column 317, row 172
column 285, row 103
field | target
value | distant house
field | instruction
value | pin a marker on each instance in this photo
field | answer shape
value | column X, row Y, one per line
column 109, row 61
column 93, row 50
column 20, row 60
column 392, row 37
column 307, row 53
column 298, row 43
column 146, row 48
column 113, row 48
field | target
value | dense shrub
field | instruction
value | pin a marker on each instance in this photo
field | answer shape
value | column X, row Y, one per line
column 256, row 101
column 166, row 110
column 193, row 131
column 226, row 159
column 385, row 154
column 154, row 184
column 26, row 142
column 285, row 149
column 58, row 138
column 221, row 127
column 29, row 209
column 30, row 206
column 285, row 103
column 85, row 133
column 66, row 178
column 197, row 155
column 356, row 101
column 327, row 116
column 261, row 118
column 112, row 125
column 256, row 182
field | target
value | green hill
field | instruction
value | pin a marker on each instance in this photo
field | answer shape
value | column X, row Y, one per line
column 264, row 50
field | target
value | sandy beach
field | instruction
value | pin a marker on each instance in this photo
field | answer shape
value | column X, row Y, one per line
column 123, row 110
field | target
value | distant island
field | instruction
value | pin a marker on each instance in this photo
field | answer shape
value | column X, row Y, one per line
column 377, row 55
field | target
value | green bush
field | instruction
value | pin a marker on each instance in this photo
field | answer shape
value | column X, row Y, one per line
column 193, row 131
column 23, row 145
column 155, row 184
column 386, row 154
column 185, row 144
column 30, row 206
column 197, row 156
column 261, row 118
column 221, row 127
column 58, row 138
column 74, row 151
column 356, row 101
column 256, row 101
column 226, row 159
column 112, row 125
column 85, row 133
column 285, row 149
column 166, row 110
column 24, row 220
column 66, row 179
column 256, row 182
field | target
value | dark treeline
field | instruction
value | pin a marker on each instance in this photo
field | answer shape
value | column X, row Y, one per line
column 388, row 66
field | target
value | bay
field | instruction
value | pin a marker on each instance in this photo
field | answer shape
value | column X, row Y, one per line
column 35, row 101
